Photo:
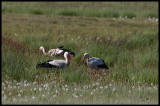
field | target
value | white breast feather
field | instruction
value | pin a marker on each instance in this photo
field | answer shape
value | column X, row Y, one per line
column 58, row 63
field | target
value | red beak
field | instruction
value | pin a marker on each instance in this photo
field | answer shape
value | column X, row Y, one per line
column 40, row 52
column 69, row 58
column 82, row 59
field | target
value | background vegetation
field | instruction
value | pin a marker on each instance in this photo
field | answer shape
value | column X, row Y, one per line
column 123, row 34
column 92, row 9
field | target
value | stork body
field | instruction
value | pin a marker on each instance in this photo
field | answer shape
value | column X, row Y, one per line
column 49, row 53
column 56, row 63
column 94, row 63
column 57, row 52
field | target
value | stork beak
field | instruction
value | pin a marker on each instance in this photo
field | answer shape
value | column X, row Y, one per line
column 40, row 52
column 69, row 58
column 82, row 59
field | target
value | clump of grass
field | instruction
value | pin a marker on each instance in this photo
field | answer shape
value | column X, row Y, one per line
column 141, row 40
column 151, row 15
column 75, row 75
column 110, row 14
column 14, row 45
column 68, row 12
column 91, row 14
column 18, row 66
column 16, row 62
column 129, row 14
column 37, row 11
column 145, row 75
column 9, row 10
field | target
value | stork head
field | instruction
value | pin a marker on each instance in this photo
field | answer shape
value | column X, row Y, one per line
column 86, row 55
column 41, row 48
column 66, row 55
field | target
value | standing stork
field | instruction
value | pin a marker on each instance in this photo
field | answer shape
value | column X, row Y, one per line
column 57, row 52
column 94, row 63
column 56, row 63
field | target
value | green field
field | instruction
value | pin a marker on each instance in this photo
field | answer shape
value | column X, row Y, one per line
column 92, row 9
column 123, row 34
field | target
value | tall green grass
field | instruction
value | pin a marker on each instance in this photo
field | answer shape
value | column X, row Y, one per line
column 19, row 66
column 94, row 9
column 123, row 61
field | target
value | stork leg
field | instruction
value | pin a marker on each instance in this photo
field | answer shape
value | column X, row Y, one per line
column 95, row 73
column 103, row 71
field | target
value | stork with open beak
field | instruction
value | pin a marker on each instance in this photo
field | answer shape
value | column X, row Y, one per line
column 57, row 52
column 56, row 63
column 94, row 63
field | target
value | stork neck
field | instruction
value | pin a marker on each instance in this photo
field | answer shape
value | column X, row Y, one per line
column 67, row 60
column 87, row 59
column 44, row 51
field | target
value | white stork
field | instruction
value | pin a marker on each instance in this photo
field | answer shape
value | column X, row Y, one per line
column 94, row 63
column 57, row 52
column 56, row 63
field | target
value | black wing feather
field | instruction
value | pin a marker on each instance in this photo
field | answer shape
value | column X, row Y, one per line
column 65, row 50
column 46, row 65
column 103, row 66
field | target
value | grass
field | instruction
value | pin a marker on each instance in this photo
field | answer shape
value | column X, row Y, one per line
column 94, row 9
column 128, row 46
